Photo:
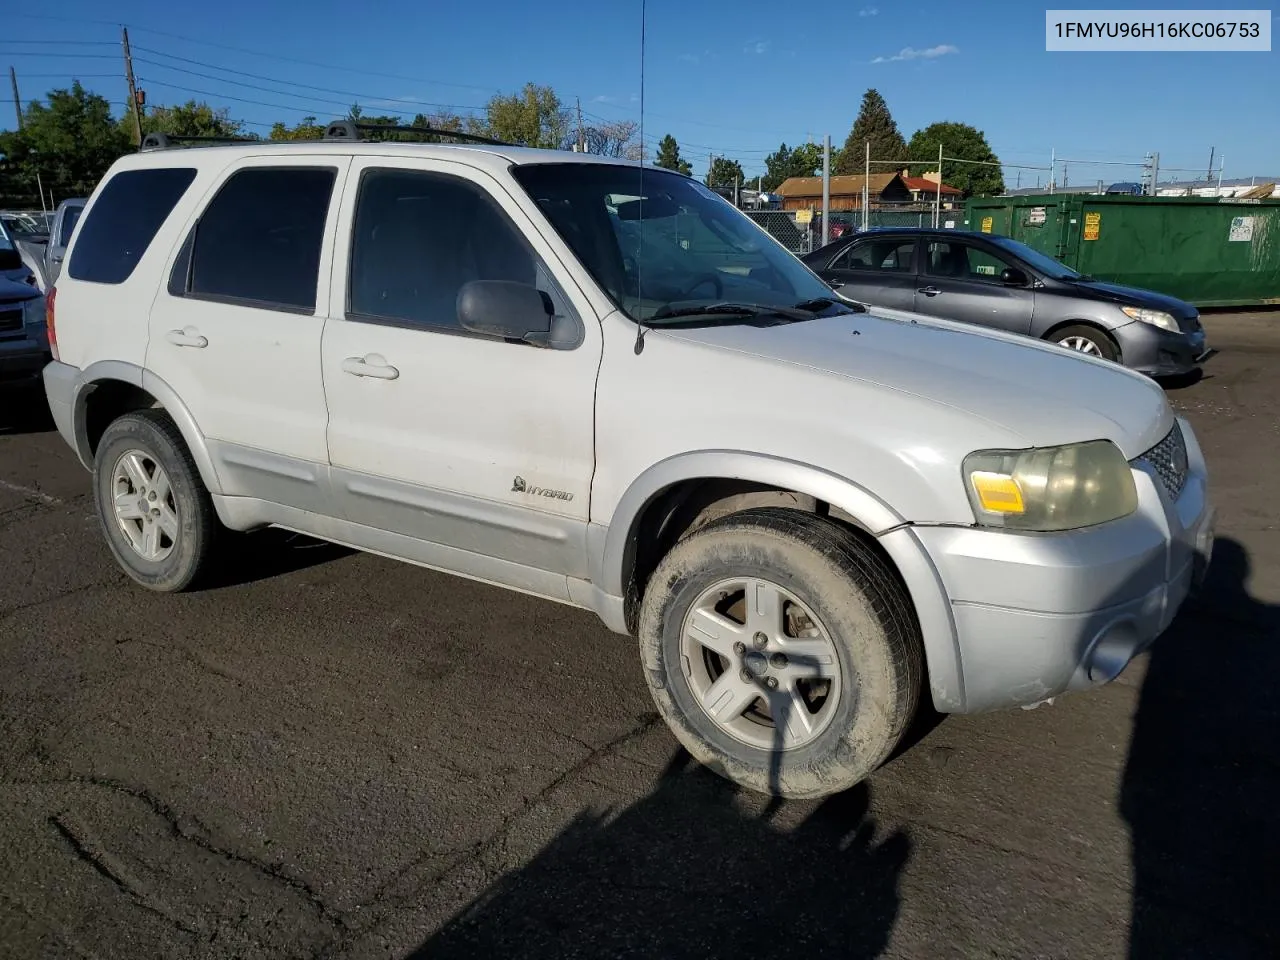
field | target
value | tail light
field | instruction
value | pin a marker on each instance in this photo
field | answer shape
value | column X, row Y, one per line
column 48, row 321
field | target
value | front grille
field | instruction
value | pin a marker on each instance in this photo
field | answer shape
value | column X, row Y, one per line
column 1169, row 459
column 10, row 320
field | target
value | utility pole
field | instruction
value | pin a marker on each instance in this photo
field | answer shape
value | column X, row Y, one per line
column 1220, row 160
column 1064, row 174
column 937, row 193
column 582, row 143
column 1209, row 175
column 1018, row 184
column 1155, row 172
column 17, row 101
column 133, row 87
column 826, row 189
column 1053, row 166
column 866, row 187
column 736, row 202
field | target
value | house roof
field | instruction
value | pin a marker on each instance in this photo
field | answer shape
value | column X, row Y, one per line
column 840, row 186
column 923, row 184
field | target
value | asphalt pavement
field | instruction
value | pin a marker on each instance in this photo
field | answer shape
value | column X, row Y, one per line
column 328, row 754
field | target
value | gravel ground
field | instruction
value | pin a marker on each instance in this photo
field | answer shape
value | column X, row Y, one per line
column 334, row 755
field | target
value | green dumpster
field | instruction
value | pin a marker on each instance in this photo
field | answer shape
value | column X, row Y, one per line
column 1213, row 252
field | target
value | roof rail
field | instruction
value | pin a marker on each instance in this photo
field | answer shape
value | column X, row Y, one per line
column 350, row 130
column 166, row 141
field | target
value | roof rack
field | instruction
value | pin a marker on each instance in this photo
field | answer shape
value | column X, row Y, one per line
column 164, row 141
column 350, row 130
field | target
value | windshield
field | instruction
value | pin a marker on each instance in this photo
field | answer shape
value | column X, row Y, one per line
column 691, row 249
column 1050, row 267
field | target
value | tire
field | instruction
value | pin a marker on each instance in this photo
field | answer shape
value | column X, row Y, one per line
column 182, row 522
column 854, row 603
column 1087, row 340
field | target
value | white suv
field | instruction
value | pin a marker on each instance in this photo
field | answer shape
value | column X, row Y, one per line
column 603, row 385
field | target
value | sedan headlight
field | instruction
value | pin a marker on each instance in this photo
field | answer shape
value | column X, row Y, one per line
column 1157, row 318
column 1050, row 488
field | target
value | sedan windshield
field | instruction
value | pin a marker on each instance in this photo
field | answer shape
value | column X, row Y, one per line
column 672, row 248
column 1036, row 260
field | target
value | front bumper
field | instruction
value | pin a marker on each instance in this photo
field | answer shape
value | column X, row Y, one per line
column 1036, row 615
column 1159, row 353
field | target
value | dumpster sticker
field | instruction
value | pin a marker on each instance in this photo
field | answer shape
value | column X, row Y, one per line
column 986, row 224
column 949, row 225
column 1036, row 217
column 1241, row 229
column 1092, row 225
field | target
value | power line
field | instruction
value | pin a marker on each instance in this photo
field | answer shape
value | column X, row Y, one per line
column 62, row 56
column 69, row 43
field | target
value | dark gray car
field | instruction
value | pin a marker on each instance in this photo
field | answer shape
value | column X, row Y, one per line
column 998, row 282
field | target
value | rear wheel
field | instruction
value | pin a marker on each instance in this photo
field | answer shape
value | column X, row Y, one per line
column 781, row 651
column 155, row 513
column 1087, row 340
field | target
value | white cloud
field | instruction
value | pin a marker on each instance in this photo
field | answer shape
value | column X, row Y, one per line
column 911, row 53
column 690, row 57
column 868, row 11
column 604, row 98
column 757, row 46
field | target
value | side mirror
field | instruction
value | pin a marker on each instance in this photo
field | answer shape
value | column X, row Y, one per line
column 513, row 311
column 1013, row 277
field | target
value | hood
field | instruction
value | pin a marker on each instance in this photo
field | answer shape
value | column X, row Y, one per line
column 12, row 289
column 1134, row 296
column 1039, row 393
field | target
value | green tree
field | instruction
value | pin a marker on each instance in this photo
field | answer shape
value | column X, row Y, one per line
column 70, row 140
column 306, row 129
column 669, row 156
column 533, row 117
column 874, row 124
column 188, row 119
column 963, row 142
column 724, row 172
column 804, row 160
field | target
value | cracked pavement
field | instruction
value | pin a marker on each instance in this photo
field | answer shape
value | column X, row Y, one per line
column 328, row 754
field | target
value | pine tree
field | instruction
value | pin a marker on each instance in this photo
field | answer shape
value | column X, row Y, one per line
column 669, row 156
column 874, row 123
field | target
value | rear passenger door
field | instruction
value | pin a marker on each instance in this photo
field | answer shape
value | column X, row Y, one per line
column 879, row 271
column 236, row 331
column 478, row 449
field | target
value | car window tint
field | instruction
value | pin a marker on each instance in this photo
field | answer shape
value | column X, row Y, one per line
column 259, row 239
column 419, row 237
column 891, row 255
column 69, row 221
column 961, row 261
column 126, row 215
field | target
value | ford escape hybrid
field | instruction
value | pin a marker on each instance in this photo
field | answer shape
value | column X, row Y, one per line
column 602, row 385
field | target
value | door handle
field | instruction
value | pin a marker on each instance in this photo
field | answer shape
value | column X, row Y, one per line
column 186, row 338
column 370, row 365
column 929, row 291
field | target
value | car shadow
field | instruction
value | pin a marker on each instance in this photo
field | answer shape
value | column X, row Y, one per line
column 248, row 557
column 1184, row 380
column 24, row 409
column 1201, row 787
column 685, row 872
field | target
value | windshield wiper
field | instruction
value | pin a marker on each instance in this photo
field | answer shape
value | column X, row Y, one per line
column 818, row 304
column 732, row 310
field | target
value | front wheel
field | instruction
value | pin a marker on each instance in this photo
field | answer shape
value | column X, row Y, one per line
column 782, row 652
column 1087, row 340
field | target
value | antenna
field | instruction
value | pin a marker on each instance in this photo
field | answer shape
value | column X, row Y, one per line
column 640, row 249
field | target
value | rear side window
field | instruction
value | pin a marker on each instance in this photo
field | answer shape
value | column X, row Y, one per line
column 132, row 206
column 258, row 242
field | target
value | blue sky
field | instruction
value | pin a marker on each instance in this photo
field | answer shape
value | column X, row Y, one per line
column 735, row 78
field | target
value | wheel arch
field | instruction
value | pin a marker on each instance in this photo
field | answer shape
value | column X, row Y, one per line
column 1092, row 325
column 109, row 388
column 680, row 494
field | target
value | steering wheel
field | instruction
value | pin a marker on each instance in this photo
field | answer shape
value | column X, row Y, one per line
column 713, row 277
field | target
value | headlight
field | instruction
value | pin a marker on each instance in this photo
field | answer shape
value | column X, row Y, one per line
column 33, row 312
column 1157, row 318
column 1050, row 488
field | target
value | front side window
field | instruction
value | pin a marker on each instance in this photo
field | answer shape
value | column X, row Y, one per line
column 659, row 243
column 126, row 216
column 259, row 240
column 419, row 237
column 960, row 261
column 894, row 255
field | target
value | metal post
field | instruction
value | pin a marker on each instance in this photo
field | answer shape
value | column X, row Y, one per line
column 40, row 188
column 866, row 189
column 736, row 202
column 17, row 100
column 582, row 143
column 826, row 189
column 1155, row 172
column 1053, row 166
column 133, row 87
column 1220, row 159
column 937, row 193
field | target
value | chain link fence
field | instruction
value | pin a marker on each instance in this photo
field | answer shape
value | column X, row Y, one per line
column 802, row 238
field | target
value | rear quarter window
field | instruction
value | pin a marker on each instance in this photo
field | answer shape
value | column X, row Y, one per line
column 123, row 222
